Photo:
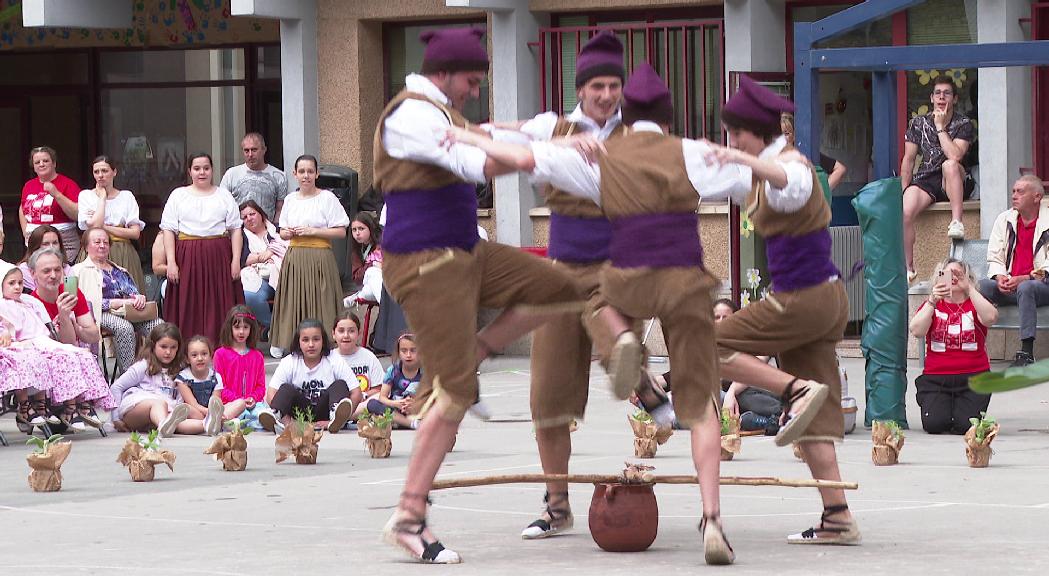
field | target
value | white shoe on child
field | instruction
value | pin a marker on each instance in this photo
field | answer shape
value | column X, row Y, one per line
column 340, row 415
column 213, row 421
column 178, row 414
column 277, row 353
column 269, row 422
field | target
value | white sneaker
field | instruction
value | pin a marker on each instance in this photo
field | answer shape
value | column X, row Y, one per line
column 178, row 414
column 277, row 353
column 213, row 421
column 340, row 415
column 956, row 230
column 480, row 410
column 270, row 423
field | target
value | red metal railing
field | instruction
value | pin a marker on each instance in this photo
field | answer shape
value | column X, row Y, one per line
column 690, row 56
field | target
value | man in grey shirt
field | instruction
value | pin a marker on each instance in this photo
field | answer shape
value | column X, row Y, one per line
column 255, row 179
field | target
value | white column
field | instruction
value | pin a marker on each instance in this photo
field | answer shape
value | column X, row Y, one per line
column 515, row 95
column 77, row 13
column 755, row 36
column 1005, row 111
column 298, row 71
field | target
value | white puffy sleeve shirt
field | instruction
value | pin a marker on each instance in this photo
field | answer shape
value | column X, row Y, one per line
column 320, row 211
column 120, row 211
column 187, row 212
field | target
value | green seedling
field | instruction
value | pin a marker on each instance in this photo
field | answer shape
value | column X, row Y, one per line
column 726, row 421
column 303, row 419
column 383, row 421
column 984, row 424
column 641, row 416
column 236, row 426
column 151, row 442
column 894, row 428
column 41, row 446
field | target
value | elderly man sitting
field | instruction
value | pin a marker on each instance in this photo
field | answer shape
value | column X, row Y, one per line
column 1018, row 259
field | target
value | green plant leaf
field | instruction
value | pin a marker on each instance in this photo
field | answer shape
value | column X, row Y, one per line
column 1011, row 378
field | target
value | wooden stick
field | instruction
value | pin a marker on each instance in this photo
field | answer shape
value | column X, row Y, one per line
column 653, row 478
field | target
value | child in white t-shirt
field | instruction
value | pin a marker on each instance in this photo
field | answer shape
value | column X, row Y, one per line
column 308, row 380
column 365, row 366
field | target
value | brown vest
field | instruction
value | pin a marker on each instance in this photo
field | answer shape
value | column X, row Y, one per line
column 564, row 203
column 644, row 173
column 392, row 174
column 813, row 216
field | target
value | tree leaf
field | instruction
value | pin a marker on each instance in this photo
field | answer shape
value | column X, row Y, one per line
column 1011, row 378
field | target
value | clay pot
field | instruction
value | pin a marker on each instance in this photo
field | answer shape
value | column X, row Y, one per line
column 624, row 517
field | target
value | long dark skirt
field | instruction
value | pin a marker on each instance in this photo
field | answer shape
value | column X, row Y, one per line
column 199, row 301
column 309, row 287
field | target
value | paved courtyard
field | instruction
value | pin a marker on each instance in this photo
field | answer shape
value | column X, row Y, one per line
column 929, row 515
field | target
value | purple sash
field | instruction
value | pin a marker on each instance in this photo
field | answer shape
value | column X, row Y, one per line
column 656, row 241
column 797, row 262
column 579, row 239
column 436, row 218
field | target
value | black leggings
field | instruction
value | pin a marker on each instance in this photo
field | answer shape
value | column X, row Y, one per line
column 947, row 403
column 288, row 398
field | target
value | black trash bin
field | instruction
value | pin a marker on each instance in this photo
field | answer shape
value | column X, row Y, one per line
column 342, row 181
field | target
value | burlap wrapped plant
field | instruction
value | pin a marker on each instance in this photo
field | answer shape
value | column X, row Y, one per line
column 978, row 440
column 141, row 454
column 376, row 431
column 648, row 436
column 888, row 442
column 45, row 462
column 730, row 439
column 299, row 440
column 231, row 448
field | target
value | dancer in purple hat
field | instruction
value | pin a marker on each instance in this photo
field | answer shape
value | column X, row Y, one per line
column 804, row 317
column 437, row 268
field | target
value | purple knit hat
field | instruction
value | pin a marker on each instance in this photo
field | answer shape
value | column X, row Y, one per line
column 645, row 97
column 602, row 55
column 454, row 50
column 756, row 108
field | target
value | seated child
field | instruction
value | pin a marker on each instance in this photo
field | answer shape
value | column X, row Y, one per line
column 399, row 386
column 199, row 385
column 361, row 361
column 242, row 367
column 308, row 381
column 146, row 394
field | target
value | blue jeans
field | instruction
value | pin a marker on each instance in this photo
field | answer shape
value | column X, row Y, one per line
column 258, row 302
column 1029, row 295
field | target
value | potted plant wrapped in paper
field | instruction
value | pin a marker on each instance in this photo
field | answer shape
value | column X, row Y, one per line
column 376, row 433
column 299, row 440
column 231, row 448
column 978, row 440
column 888, row 441
column 45, row 462
column 730, row 440
column 141, row 454
column 647, row 434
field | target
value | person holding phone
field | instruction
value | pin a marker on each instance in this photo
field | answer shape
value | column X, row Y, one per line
column 66, row 305
column 954, row 323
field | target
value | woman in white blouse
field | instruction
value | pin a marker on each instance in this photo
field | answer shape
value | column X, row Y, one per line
column 117, row 212
column 309, row 276
column 201, row 225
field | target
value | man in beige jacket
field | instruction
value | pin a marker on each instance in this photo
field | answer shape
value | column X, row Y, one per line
column 1018, row 259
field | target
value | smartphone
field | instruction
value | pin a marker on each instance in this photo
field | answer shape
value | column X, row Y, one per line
column 941, row 278
column 71, row 284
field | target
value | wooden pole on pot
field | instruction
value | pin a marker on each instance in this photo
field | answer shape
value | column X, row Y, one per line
column 647, row 479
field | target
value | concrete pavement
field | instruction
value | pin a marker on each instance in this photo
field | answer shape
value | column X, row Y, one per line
column 929, row 515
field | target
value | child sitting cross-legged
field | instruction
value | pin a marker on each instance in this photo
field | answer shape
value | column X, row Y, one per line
column 308, row 380
column 365, row 366
column 242, row 367
column 399, row 386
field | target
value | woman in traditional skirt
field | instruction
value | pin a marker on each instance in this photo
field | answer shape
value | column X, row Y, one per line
column 309, row 276
column 202, row 242
column 117, row 212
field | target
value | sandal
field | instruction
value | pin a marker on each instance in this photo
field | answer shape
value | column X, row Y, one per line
column 404, row 523
column 41, row 415
column 812, row 394
column 87, row 414
column 716, row 549
column 624, row 364
column 840, row 534
column 561, row 519
column 24, row 418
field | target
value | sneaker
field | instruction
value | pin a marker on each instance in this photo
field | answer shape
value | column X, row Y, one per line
column 480, row 410
column 340, row 415
column 749, row 421
column 624, row 365
column 213, row 421
column 179, row 413
column 1021, row 359
column 277, row 353
column 956, row 230
column 269, row 422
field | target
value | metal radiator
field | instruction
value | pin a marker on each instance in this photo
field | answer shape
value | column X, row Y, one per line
column 846, row 251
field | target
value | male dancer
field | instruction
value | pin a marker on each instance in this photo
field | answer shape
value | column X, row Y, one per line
column 437, row 268
column 804, row 318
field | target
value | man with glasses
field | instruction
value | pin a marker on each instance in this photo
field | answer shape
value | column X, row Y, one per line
column 255, row 179
column 943, row 136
